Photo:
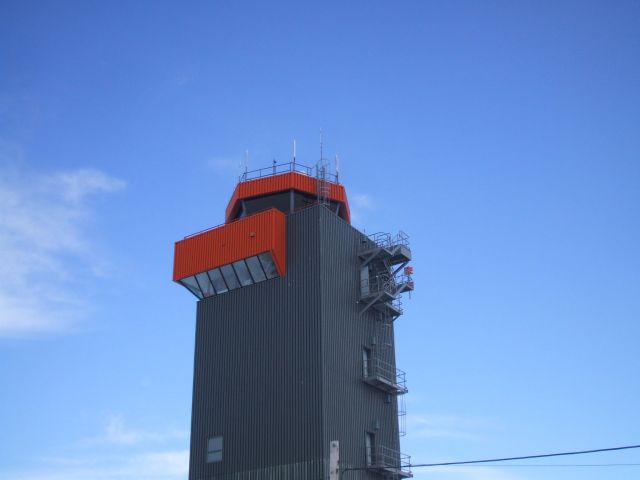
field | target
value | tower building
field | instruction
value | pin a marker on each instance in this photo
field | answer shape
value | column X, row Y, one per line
column 294, row 355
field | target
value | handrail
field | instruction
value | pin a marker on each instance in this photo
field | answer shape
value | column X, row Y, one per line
column 386, row 283
column 387, row 240
column 386, row 371
column 227, row 223
column 282, row 168
column 389, row 459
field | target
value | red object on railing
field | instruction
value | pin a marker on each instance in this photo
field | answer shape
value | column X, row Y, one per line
column 408, row 270
column 258, row 233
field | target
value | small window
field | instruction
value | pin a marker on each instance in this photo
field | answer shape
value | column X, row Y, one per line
column 230, row 277
column 205, row 284
column 370, row 446
column 214, row 450
column 267, row 264
column 366, row 362
column 365, row 288
column 218, row 281
column 243, row 273
column 256, row 270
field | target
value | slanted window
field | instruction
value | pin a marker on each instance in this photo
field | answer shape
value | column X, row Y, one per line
column 192, row 285
column 302, row 200
column 214, row 450
column 218, row 281
column 243, row 273
column 205, row 284
column 267, row 264
column 281, row 201
column 230, row 277
column 256, row 269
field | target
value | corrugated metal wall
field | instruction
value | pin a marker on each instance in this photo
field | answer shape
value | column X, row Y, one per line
column 278, row 365
column 351, row 406
column 262, row 232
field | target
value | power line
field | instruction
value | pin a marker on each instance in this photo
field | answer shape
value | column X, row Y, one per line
column 523, row 457
column 528, row 465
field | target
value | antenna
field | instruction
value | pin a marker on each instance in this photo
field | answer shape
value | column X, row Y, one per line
column 294, row 152
column 337, row 167
column 321, row 144
column 246, row 163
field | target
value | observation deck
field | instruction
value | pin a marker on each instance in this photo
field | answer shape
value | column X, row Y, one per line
column 287, row 187
column 249, row 247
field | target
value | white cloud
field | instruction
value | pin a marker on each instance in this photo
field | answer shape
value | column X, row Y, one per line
column 117, row 433
column 463, row 473
column 223, row 165
column 360, row 204
column 103, row 458
column 45, row 246
column 76, row 185
column 446, row 426
column 450, row 432
column 156, row 465
column 363, row 201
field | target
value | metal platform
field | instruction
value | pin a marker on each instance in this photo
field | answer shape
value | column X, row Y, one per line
column 382, row 292
column 391, row 249
column 389, row 463
column 385, row 376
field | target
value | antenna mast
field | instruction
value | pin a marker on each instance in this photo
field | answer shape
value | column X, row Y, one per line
column 246, row 164
column 294, row 153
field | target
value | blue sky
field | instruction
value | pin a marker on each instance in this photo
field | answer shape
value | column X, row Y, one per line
column 503, row 137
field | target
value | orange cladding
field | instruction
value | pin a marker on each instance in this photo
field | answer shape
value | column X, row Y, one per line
column 259, row 233
column 286, row 181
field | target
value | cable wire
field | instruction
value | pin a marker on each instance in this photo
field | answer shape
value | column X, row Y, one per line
column 528, row 465
column 506, row 459
column 525, row 457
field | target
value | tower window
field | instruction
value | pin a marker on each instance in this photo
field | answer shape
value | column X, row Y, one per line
column 256, row 269
column 230, row 277
column 243, row 273
column 218, row 281
column 268, row 266
column 214, row 450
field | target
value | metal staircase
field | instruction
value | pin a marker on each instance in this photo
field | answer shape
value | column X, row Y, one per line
column 384, row 274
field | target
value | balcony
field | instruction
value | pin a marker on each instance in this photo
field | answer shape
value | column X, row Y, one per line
column 388, row 462
column 282, row 181
column 382, row 292
column 383, row 375
column 392, row 249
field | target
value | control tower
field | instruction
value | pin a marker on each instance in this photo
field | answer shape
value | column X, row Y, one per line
column 295, row 356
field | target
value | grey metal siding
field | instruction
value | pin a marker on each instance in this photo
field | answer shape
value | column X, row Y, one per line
column 351, row 406
column 278, row 365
